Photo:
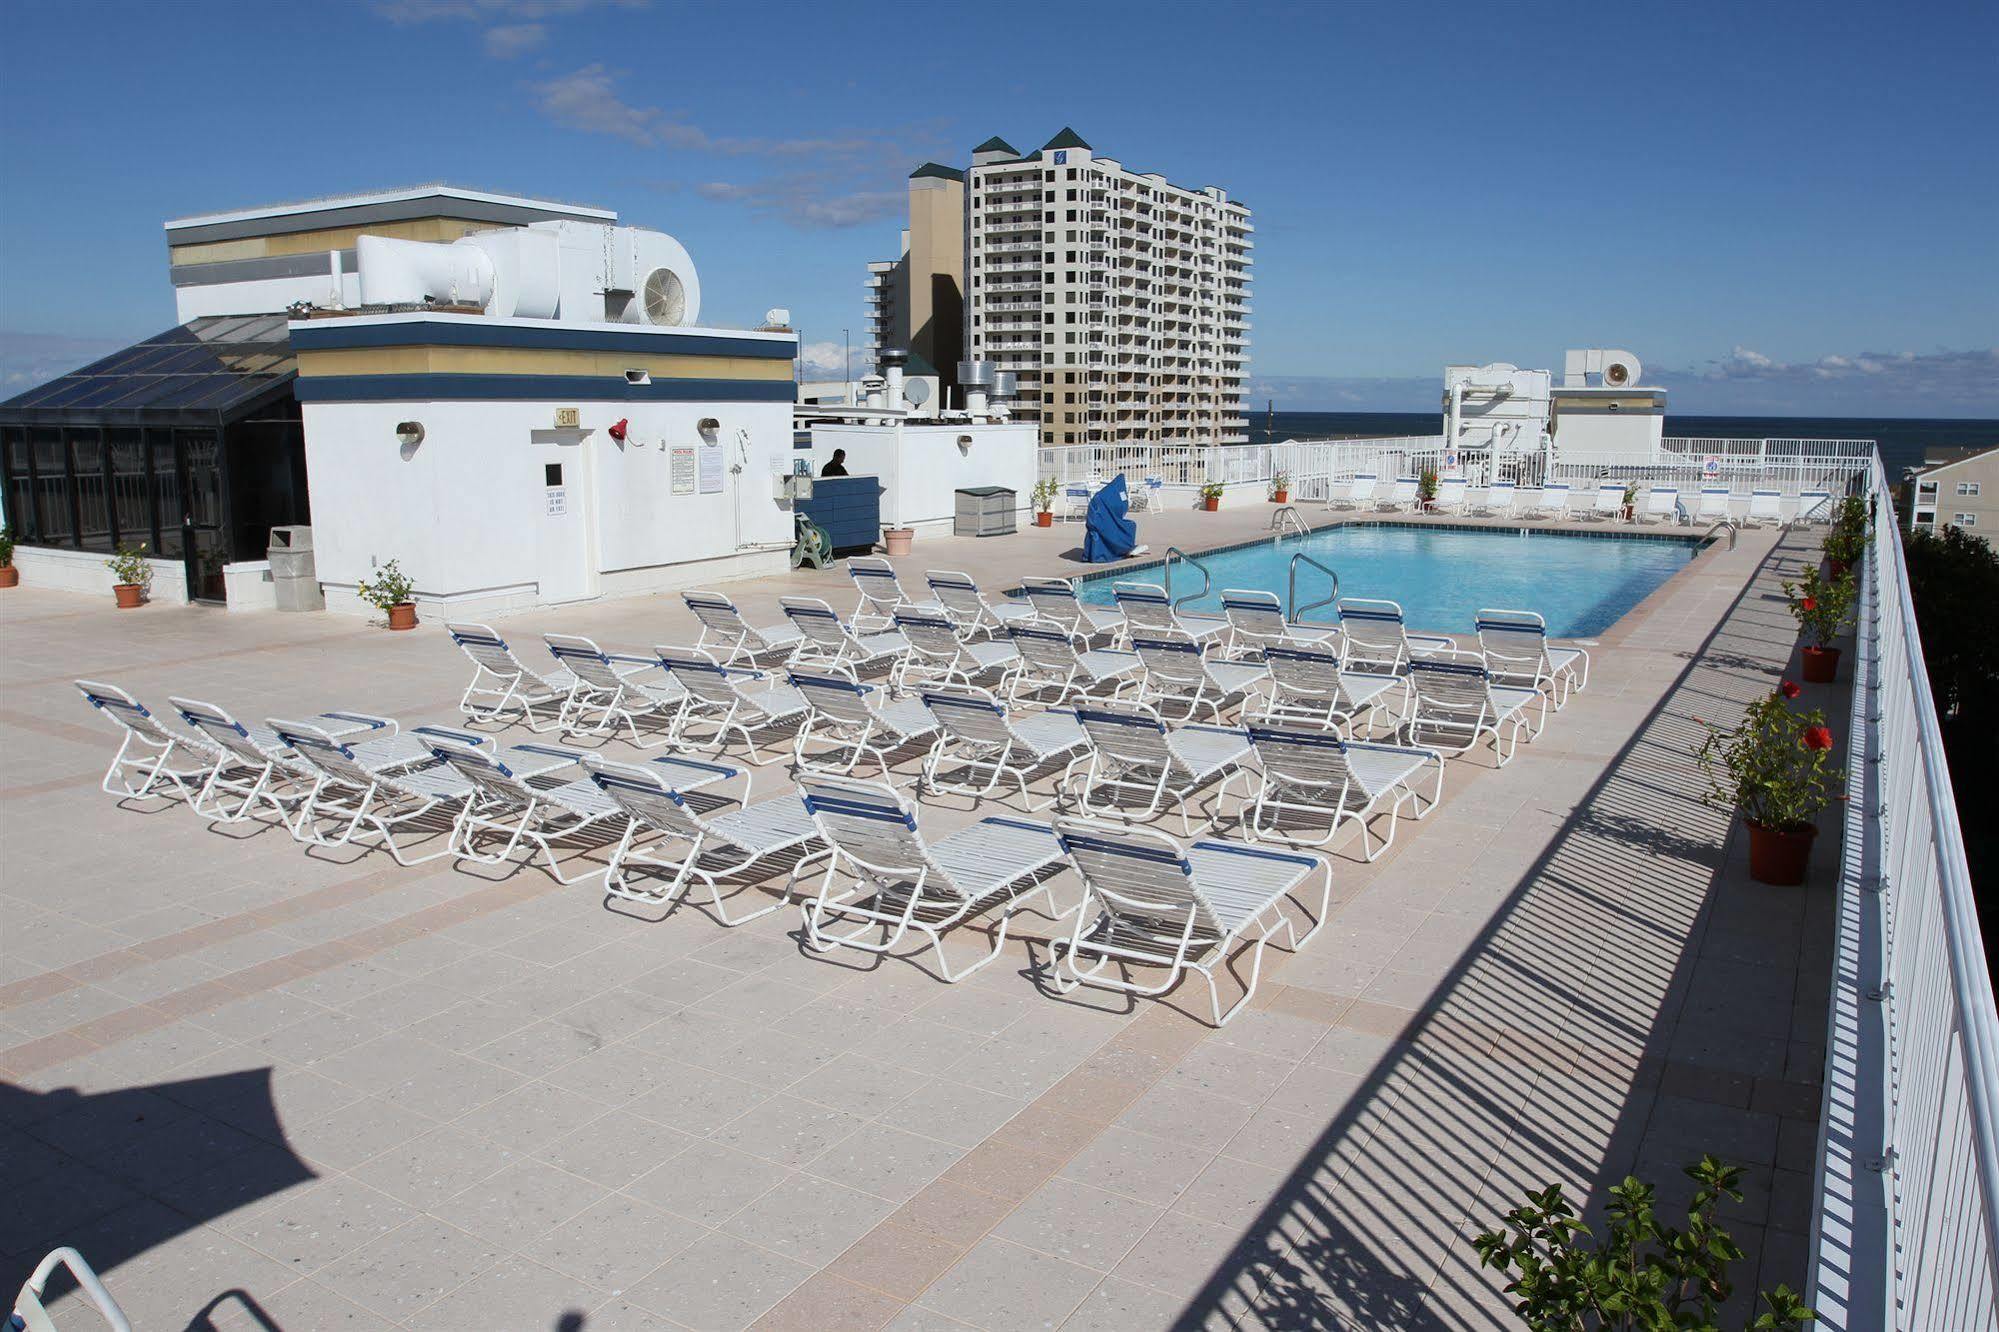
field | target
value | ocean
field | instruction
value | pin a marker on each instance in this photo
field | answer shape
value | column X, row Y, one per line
column 1902, row 441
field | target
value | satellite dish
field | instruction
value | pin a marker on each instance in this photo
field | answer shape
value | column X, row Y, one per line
column 665, row 299
column 917, row 391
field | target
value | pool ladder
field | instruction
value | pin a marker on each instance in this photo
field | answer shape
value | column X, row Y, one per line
column 1286, row 519
column 1728, row 523
column 1207, row 581
column 1295, row 614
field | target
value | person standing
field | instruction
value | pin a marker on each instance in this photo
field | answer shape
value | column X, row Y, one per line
column 836, row 465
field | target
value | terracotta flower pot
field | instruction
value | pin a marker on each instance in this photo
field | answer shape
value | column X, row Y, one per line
column 1280, row 497
column 897, row 539
column 1044, row 519
column 1821, row 665
column 129, row 595
column 9, row 576
column 1211, row 503
column 402, row 615
column 1778, row 856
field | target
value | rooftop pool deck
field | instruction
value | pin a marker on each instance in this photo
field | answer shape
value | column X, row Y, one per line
column 316, row 1090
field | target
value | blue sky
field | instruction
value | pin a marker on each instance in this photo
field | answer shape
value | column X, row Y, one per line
column 1787, row 208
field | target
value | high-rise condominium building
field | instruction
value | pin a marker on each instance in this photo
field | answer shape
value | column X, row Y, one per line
column 1120, row 300
column 916, row 301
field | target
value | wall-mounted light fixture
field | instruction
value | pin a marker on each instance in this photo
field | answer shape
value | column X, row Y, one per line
column 638, row 377
column 965, row 445
column 409, row 434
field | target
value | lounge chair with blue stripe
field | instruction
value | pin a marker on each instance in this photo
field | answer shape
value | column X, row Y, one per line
column 1453, row 494
column 827, row 640
column 258, row 768
column 1305, row 770
column 502, row 805
column 896, row 881
column 725, row 631
column 1454, row 704
column 1401, row 496
column 607, row 693
column 1814, row 506
column 352, row 799
column 1055, row 600
column 881, row 593
column 1357, row 493
column 1662, row 504
column 1149, row 903
column 738, row 846
column 1552, row 503
column 502, row 684
column 976, row 732
column 1177, row 671
column 938, row 655
column 1517, row 652
column 1609, row 502
column 1308, row 684
column 1050, row 659
column 1764, row 506
column 158, row 757
column 736, row 699
column 968, row 608
column 861, row 720
column 1499, row 500
column 1714, row 504
column 1256, row 620
column 1374, row 637
column 1135, row 767
column 1146, row 609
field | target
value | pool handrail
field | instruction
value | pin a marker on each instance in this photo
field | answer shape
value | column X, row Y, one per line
column 1166, row 571
column 1293, row 612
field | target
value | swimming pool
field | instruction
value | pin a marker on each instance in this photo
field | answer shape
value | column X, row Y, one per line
column 1443, row 576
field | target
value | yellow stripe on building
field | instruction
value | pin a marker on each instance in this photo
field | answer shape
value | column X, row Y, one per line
column 532, row 361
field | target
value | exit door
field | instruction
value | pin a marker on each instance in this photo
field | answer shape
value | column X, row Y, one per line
column 560, row 477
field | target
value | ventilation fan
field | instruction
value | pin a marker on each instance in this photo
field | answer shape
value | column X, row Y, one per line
column 665, row 298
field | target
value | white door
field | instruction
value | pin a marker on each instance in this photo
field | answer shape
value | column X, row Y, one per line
column 559, row 475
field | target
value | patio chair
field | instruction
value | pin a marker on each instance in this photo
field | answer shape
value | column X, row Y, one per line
column 606, row 695
column 358, row 800
column 1515, row 646
column 161, row 756
column 852, row 716
column 718, row 847
column 1454, row 703
column 1149, row 903
column 976, row 731
column 1499, row 500
column 1357, row 493
column 1307, row 684
column 1662, row 503
column 1145, row 607
column 1714, row 504
column 1049, row 658
column 1374, row 639
column 503, row 804
column 1132, row 754
column 1256, row 620
column 723, row 627
column 1307, row 770
column 968, row 608
column 1763, row 508
column 898, row 881
column 881, row 592
column 1609, row 502
column 731, row 698
column 1552, row 503
column 1814, row 506
column 1076, row 499
column 502, row 683
column 1176, row 670
column 1055, row 599
column 1452, row 494
column 937, row 654
column 1402, row 496
column 258, row 767
column 827, row 641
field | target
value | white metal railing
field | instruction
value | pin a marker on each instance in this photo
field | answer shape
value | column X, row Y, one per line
column 1906, row 1232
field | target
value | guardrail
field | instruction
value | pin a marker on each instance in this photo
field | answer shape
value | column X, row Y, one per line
column 1906, row 1231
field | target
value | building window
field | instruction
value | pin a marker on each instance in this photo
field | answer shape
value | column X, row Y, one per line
column 1926, row 519
column 1967, row 487
column 1926, row 487
column 1965, row 519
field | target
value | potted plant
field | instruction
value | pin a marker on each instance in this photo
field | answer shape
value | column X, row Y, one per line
column 1426, row 489
column 895, row 540
column 1630, row 499
column 1280, row 488
column 390, row 594
column 9, row 575
column 1821, row 606
column 1776, row 769
column 134, row 573
column 1211, row 495
column 1044, row 501
column 1846, row 540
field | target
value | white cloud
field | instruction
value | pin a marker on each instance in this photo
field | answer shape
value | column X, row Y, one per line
column 588, row 99
column 28, row 359
column 822, row 360
column 490, row 11
column 806, row 199
column 514, row 39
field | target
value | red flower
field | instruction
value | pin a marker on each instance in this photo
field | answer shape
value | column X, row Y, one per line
column 1810, row 603
column 1790, row 689
column 1818, row 737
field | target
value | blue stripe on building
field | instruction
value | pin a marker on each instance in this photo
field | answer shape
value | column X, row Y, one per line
column 513, row 388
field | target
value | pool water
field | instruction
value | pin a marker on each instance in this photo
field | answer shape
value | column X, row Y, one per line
column 1580, row 584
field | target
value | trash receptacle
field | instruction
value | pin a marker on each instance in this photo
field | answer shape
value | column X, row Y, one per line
column 984, row 511
column 294, row 577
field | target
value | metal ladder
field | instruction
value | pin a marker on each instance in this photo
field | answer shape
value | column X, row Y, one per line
column 1720, row 523
column 1207, row 581
column 1293, row 612
column 1286, row 518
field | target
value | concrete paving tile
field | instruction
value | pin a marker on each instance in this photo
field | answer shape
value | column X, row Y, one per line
column 896, row 1261
column 520, row 1203
column 708, row 1182
column 694, row 1100
column 319, row 1224
column 615, row 1242
column 999, row 1284
column 1137, row 1165
column 1003, row 1170
column 719, row 1282
column 809, row 1219
column 952, row 1213
column 516, row 1293
column 401, row 1273
column 829, row 1304
column 433, row 1166
column 787, row 1130
column 941, row 1108
column 1177, row 1254
column 1117, row 1305
column 1079, row 1223
column 363, row 1128
column 612, row 1150
column 885, row 1161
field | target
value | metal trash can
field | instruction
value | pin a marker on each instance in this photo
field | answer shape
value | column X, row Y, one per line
column 984, row 511
column 294, row 577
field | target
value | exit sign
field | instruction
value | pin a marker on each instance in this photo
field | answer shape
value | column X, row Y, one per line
column 567, row 418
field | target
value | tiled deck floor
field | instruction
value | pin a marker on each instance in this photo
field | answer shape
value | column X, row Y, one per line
column 276, row 1091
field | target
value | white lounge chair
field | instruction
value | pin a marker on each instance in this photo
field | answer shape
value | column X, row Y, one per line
column 730, row 698
column 1515, row 646
column 606, row 694
column 1499, row 499
column 1133, row 756
column 1814, row 506
column 715, row 848
column 1609, row 502
column 723, row 627
column 936, row 653
column 976, row 732
column 1374, row 639
column 968, row 607
column 1049, row 658
column 1306, row 684
column 1256, row 620
column 860, row 719
column 1714, row 504
column 1662, row 504
column 257, row 767
column 1076, row 499
column 1150, row 903
column 1454, row 703
column 504, row 805
column 1358, row 493
column 828, row 641
column 1764, row 508
column 502, row 683
column 1452, row 492
column 1402, row 495
column 1177, row 671
column 356, row 800
column 1055, row 600
column 897, row 881
column 881, row 593
column 1551, row 504
column 1145, row 607
column 1304, row 770
column 160, row 756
